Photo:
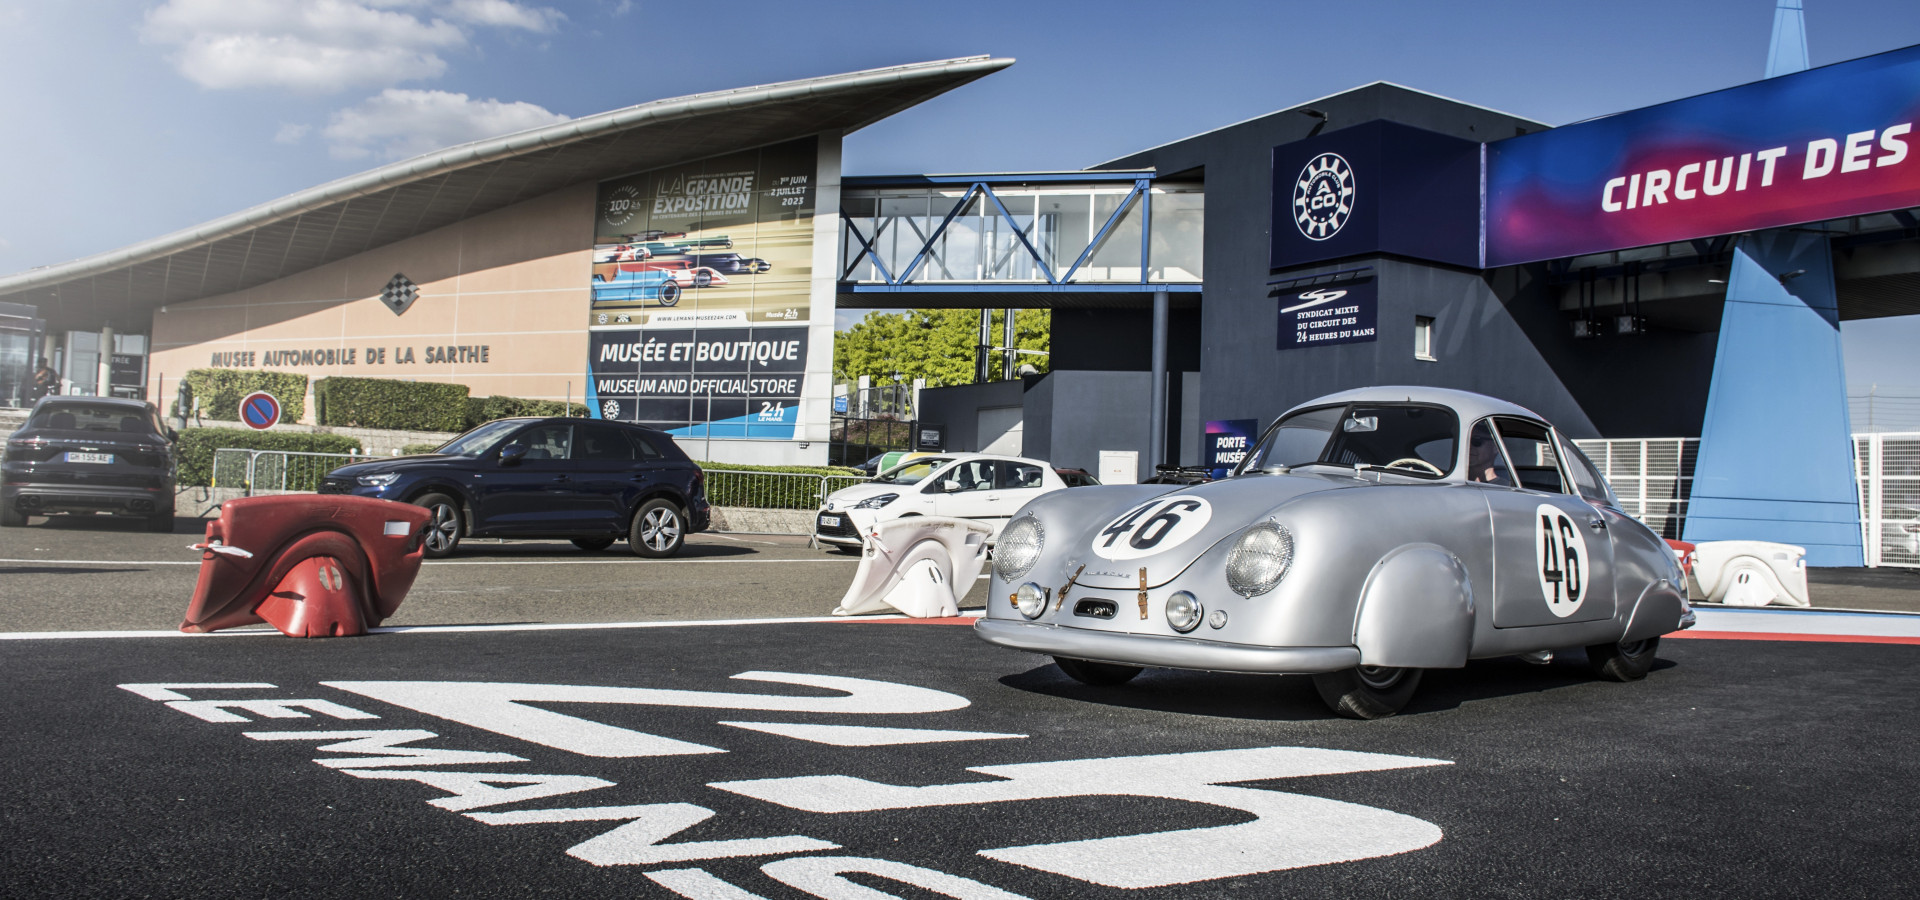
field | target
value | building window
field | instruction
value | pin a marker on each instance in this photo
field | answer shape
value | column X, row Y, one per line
column 1423, row 338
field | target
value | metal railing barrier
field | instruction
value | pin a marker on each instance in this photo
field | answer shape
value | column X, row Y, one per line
column 276, row 471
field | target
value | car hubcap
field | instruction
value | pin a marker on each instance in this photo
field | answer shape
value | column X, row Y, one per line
column 444, row 530
column 660, row 529
column 1380, row 677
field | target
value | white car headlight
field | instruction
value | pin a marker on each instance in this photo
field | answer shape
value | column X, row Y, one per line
column 1259, row 559
column 876, row 501
column 1184, row 611
column 381, row 480
column 1031, row 600
column 1018, row 548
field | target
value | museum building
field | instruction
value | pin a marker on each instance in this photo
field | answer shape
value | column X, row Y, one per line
column 1672, row 272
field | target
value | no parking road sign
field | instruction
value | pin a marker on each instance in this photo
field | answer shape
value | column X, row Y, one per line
column 260, row 410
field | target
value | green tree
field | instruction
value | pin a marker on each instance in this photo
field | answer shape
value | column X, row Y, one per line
column 935, row 344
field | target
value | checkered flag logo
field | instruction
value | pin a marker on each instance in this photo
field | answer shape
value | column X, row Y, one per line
column 400, row 294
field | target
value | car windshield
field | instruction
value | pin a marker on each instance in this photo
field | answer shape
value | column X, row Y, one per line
column 480, row 439
column 94, row 417
column 1411, row 439
column 912, row 471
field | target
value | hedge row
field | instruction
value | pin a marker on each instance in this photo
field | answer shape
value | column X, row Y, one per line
column 390, row 404
column 194, row 451
column 487, row 409
column 220, row 391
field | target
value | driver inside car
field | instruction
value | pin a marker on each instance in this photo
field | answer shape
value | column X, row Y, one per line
column 1484, row 464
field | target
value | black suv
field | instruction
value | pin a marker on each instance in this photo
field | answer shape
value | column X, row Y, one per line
column 88, row 455
column 586, row 480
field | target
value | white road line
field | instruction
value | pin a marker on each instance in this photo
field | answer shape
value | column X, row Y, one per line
column 450, row 629
column 442, row 562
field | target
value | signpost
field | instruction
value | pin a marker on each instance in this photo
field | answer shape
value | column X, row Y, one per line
column 259, row 410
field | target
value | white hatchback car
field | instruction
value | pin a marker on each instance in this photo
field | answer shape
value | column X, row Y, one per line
column 962, row 485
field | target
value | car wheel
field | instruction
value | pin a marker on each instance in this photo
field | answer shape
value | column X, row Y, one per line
column 443, row 529
column 161, row 522
column 669, row 293
column 12, row 518
column 1628, row 661
column 658, row 529
column 1367, row 692
column 1096, row 673
column 593, row 545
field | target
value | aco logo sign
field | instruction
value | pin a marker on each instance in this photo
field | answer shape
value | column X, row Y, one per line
column 541, row 783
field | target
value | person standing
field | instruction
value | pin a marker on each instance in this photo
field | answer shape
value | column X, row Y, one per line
column 45, row 380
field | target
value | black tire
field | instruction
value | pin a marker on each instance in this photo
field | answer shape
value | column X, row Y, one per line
column 12, row 518
column 1367, row 692
column 1630, row 661
column 669, row 293
column 443, row 531
column 658, row 530
column 1097, row 674
column 702, row 279
column 593, row 545
column 161, row 522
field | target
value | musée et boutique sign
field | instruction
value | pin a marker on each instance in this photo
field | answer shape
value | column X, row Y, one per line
column 1821, row 144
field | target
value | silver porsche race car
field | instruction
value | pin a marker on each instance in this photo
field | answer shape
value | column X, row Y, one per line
column 1369, row 535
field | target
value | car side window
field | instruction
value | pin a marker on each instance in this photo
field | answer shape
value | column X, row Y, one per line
column 642, row 447
column 1485, row 463
column 972, row 475
column 601, row 442
column 1530, row 451
column 547, row 441
column 1019, row 476
column 1586, row 478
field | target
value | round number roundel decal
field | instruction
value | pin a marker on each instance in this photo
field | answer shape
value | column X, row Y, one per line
column 622, row 204
column 1323, row 196
column 1560, row 551
column 1154, row 526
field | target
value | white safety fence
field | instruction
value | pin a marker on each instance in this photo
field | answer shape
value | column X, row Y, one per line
column 276, row 471
column 1888, row 469
column 773, row 490
column 1651, row 476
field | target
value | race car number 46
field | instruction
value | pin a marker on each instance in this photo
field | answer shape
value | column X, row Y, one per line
column 1561, row 552
column 1152, row 527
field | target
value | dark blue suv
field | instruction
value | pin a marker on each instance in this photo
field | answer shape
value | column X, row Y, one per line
column 589, row 481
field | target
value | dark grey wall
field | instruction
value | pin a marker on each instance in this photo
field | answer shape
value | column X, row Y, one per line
column 1121, row 340
column 958, row 409
column 1500, row 333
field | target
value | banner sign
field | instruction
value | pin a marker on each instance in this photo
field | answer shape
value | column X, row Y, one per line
column 1228, row 442
column 701, row 283
column 1334, row 314
column 1821, row 144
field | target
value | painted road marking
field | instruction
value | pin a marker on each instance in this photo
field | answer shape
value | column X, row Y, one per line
column 966, row 617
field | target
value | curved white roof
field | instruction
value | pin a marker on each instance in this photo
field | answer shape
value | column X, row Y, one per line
column 380, row 206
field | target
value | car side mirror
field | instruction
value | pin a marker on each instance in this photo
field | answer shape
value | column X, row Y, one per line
column 511, row 454
column 950, row 486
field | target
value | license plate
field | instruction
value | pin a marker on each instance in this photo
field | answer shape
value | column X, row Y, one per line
column 830, row 521
column 77, row 457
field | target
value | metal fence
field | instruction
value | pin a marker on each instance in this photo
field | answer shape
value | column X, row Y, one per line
column 276, row 471
column 1888, row 470
column 773, row 490
column 1651, row 476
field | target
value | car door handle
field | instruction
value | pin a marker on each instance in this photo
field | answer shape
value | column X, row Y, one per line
column 1596, row 523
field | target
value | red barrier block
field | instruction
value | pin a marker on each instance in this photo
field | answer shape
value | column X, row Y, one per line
column 311, row 565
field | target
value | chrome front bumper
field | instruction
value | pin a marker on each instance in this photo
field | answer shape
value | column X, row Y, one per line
column 1163, row 652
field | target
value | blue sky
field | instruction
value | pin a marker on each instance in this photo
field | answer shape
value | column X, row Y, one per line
column 132, row 119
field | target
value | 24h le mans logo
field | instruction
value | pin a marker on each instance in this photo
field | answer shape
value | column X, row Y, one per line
column 1323, row 196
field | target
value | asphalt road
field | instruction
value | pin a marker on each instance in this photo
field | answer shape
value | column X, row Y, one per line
column 96, row 574
column 1738, row 768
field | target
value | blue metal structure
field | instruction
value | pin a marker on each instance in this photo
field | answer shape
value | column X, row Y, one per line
column 1776, row 454
column 981, row 187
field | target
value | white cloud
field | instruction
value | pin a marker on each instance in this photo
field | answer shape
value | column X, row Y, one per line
column 291, row 133
column 325, row 45
column 401, row 123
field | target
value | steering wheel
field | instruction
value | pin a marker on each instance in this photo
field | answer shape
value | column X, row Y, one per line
column 1416, row 461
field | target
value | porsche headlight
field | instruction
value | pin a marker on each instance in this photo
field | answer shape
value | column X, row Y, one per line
column 381, row 480
column 1031, row 600
column 1259, row 559
column 1018, row 548
column 1184, row 611
column 876, row 502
